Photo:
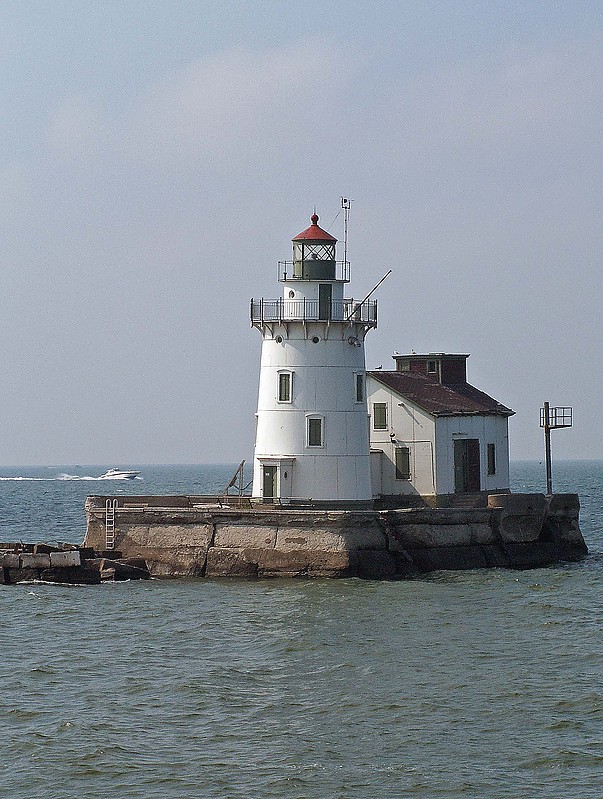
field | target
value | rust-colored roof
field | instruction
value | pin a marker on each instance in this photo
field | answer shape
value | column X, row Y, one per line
column 459, row 399
column 314, row 233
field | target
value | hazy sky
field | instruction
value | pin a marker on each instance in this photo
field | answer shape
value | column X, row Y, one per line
column 157, row 158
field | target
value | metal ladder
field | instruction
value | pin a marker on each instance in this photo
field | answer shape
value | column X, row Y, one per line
column 110, row 506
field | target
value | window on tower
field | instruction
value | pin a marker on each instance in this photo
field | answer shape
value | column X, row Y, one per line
column 315, row 431
column 284, row 386
column 359, row 387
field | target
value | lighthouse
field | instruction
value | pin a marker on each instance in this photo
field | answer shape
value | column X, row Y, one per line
column 312, row 434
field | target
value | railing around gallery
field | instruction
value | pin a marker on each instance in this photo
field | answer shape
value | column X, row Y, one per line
column 281, row 310
column 298, row 270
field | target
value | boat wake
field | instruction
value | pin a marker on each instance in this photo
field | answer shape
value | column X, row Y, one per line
column 63, row 476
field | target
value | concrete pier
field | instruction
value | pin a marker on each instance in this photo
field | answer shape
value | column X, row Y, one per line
column 199, row 537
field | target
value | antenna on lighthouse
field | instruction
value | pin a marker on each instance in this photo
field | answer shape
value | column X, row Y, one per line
column 346, row 205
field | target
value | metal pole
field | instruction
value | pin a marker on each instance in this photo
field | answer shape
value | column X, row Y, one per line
column 547, row 449
column 360, row 304
column 346, row 205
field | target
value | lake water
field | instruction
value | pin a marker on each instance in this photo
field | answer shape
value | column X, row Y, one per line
column 469, row 684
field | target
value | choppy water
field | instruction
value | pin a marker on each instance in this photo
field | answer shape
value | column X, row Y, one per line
column 469, row 684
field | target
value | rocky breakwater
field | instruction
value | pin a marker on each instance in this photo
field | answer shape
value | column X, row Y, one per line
column 69, row 563
column 183, row 536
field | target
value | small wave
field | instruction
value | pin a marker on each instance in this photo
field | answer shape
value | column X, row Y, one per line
column 63, row 476
column 30, row 479
column 129, row 479
column 99, row 477
column 35, row 582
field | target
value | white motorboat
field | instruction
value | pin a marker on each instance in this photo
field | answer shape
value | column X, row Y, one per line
column 119, row 474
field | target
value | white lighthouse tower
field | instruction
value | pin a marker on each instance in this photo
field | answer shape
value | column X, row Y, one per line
column 312, row 437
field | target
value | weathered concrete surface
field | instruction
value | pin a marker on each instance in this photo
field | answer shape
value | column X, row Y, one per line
column 521, row 517
column 64, row 559
column 170, row 541
column 9, row 575
column 241, row 562
column 76, row 575
column 35, row 561
column 185, row 538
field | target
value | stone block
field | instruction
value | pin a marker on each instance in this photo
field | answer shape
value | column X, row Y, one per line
column 305, row 563
column 567, row 504
column 572, row 550
column 521, row 516
column 448, row 558
column 435, row 516
column 518, row 504
column 177, row 562
column 405, row 566
column 561, row 529
column 404, row 536
column 482, row 534
column 12, row 576
column 374, row 564
column 496, row 556
column 44, row 549
column 127, row 569
column 64, row 559
column 41, row 561
column 344, row 539
column 520, row 529
column 532, row 555
column 71, row 575
column 11, row 560
column 229, row 562
column 166, row 535
column 244, row 535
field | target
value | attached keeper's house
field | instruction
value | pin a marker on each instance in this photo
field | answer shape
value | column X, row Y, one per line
column 432, row 434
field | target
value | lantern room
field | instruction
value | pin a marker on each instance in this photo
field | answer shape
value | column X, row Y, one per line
column 314, row 253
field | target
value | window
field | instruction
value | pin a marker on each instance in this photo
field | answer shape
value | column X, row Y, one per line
column 315, row 431
column 314, row 252
column 379, row 416
column 359, row 388
column 491, row 459
column 432, row 367
column 402, row 463
column 284, row 386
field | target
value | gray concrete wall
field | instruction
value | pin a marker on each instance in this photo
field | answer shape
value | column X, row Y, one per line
column 178, row 537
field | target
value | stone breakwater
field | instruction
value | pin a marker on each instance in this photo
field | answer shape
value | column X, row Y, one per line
column 187, row 536
column 66, row 563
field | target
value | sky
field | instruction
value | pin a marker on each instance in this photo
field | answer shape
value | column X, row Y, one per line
column 158, row 157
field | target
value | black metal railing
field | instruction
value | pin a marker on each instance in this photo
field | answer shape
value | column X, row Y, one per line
column 281, row 310
column 305, row 270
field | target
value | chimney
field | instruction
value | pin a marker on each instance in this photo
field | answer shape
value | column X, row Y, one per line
column 437, row 366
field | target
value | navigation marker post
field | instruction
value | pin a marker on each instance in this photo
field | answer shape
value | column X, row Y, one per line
column 552, row 419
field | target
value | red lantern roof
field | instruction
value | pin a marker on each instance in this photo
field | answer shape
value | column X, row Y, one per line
column 314, row 233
